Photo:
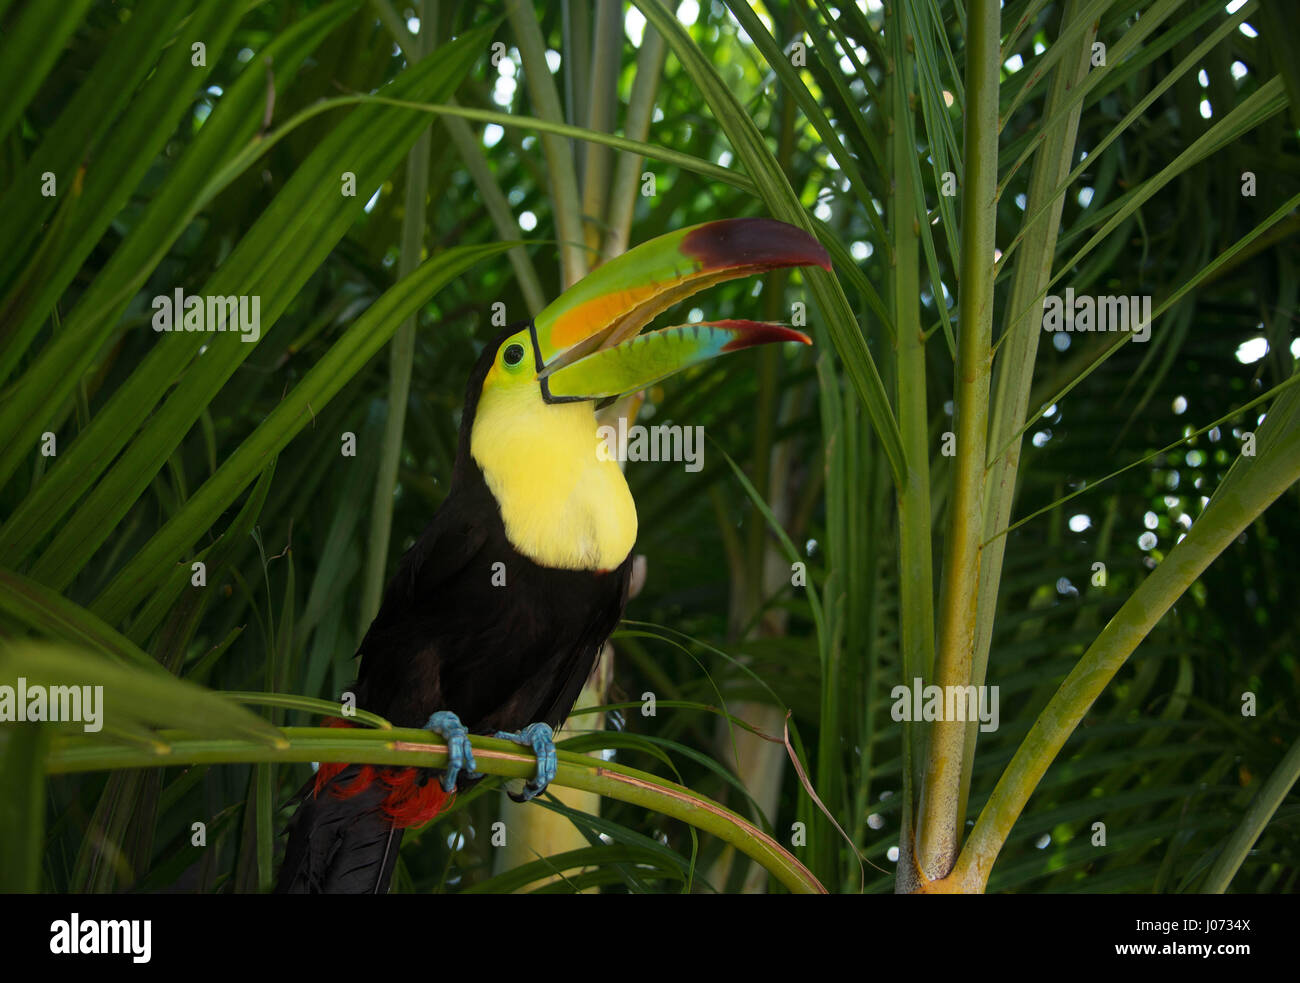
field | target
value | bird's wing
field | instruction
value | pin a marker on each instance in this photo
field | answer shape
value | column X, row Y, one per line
column 443, row 551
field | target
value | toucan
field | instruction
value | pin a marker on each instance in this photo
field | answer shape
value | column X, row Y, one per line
column 496, row 616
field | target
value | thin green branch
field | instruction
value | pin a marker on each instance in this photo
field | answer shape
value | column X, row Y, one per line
column 939, row 808
column 1015, row 364
column 559, row 152
column 414, row 748
column 603, row 89
column 1252, row 826
column 1031, row 11
column 915, row 568
column 1076, row 27
column 401, row 353
column 498, row 209
column 636, row 126
column 256, row 148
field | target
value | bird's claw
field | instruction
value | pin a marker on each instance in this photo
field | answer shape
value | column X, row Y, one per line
column 460, row 755
column 541, row 739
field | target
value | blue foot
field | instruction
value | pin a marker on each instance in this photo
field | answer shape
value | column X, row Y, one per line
column 460, row 756
column 541, row 739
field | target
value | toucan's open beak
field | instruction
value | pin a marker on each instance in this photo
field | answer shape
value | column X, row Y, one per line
column 587, row 342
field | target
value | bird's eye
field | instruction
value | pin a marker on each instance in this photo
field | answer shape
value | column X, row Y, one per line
column 513, row 355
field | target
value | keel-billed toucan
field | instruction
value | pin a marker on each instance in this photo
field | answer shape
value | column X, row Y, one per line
column 496, row 615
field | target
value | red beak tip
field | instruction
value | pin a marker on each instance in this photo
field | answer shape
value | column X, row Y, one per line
column 763, row 243
column 748, row 334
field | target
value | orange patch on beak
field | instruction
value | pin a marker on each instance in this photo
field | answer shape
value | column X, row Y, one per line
column 574, row 325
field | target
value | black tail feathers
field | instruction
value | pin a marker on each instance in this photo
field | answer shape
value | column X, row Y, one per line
column 340, row 845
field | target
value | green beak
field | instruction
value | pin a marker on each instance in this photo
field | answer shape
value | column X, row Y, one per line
column 588, row 343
